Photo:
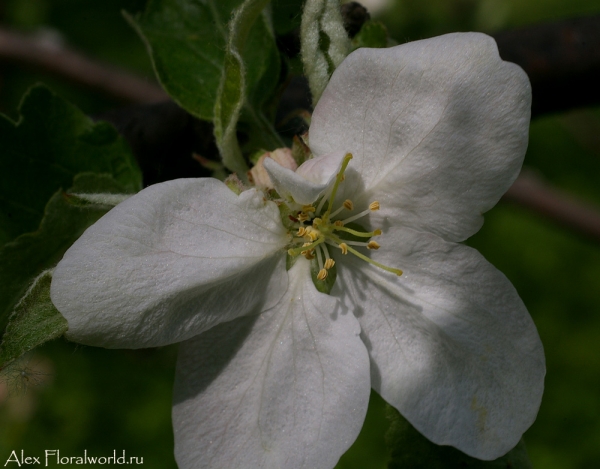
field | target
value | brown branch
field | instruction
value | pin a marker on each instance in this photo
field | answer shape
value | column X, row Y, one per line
column 531, row 192
column 75, row 67
column 562, row 60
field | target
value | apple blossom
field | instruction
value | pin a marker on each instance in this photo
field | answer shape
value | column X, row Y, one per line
column 412, row 144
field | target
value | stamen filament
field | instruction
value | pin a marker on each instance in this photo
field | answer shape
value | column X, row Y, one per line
column 324, row 199
column 308, row 247
column 357, row 233
column 319, row 258
column 338, row 179
column 398, row 272
column 356, row 217
column 340, row 208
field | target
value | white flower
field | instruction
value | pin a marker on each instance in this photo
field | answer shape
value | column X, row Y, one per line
column 273, row 373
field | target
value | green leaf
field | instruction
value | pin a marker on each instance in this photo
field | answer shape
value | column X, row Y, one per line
column 411, row 450
column 372, row 34
column 42, row 152
column 34, row 321
column 231, row 95
column 287, row 15
column 29, row 254
column 324, row 43
column 187, row 40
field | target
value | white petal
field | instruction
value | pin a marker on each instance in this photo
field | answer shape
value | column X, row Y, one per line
column 309, row 181
column 170, row 262
column 452, row 345
column 287, row 389
column 438, row 129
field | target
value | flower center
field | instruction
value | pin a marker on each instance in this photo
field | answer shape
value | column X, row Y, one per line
column 317, row 228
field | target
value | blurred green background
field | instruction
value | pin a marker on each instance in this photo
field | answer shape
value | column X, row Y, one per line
column 72, row 398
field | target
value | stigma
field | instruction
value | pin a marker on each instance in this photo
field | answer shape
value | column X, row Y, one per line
column 320, row 226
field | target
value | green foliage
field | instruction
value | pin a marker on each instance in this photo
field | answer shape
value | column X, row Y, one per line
column 34, row 321
column 287, row 15
column 231, row 95
column 411, row 450
column 187, row 41
column 51, row 147
column 45, row 149
column 64, row 221
column 372, row 34
column 324, row 43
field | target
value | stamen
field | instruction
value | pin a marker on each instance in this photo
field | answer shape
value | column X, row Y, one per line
column 310, row 238
column 356, row 217
column 312, row 233
column 398, row 272
column 338, row 179
column 319, row 259
column 329, row 262
column 357, row 233
column 324, row 199
column 305, row 247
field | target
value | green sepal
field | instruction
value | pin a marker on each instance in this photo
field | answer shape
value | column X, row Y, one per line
column 50, row 143
column 324, row 286
column 35, row 320
column 410, row 449
column 372, row 34
column 31, row 253
column 290, row 261
column 285, row 212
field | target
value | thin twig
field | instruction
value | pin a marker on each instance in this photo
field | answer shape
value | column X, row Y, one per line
column 53, row 58
column 530, row 191
column 562, row 60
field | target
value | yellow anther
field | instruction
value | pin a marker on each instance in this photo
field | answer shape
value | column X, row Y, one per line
column 373, row 245
column 308, row 208
column 338, row 223
column 309, row 254
column 317, row 222
column 329, row 263
column 302, row 216
column 374, row 206
column 322, row 275
column 344, row 248
column 348, row 205
column 312, row 233
column 307, row 251
column 301, row 231
column 377, row 232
